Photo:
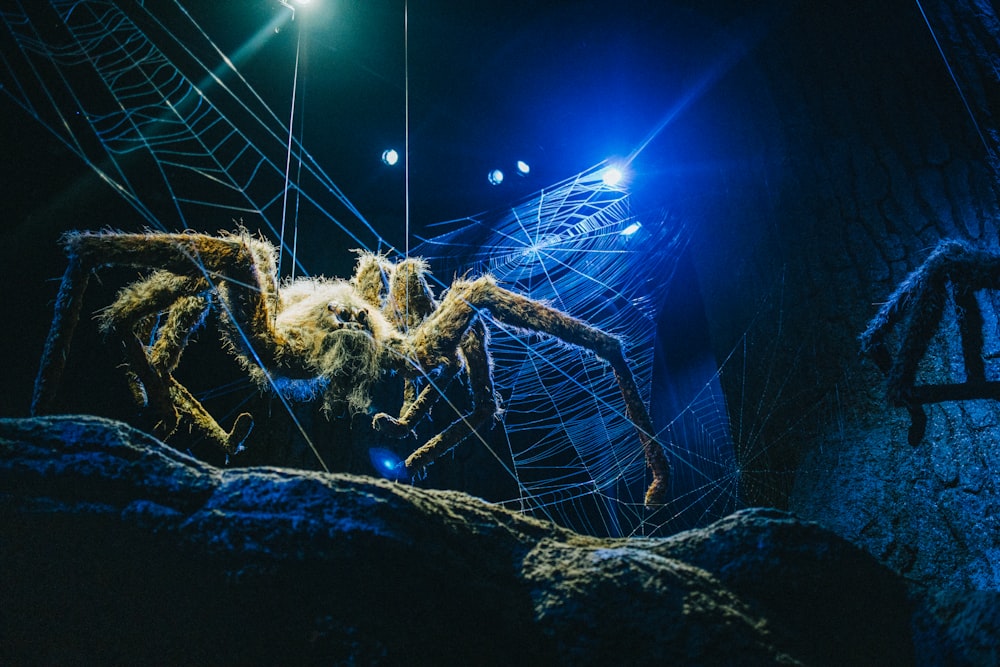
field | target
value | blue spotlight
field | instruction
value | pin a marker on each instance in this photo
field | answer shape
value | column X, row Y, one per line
column 523, row 168
column 495, row 177
column 390, row 156
column 631, row 229
column 387, row 463
column 612, row 176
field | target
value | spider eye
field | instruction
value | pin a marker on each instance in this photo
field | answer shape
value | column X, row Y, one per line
column 361, row 316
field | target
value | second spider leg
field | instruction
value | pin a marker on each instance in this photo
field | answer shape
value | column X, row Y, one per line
column 131, row 319
column 485, row 405
column 181, row 305
column 919, row 302
column 406, row 300
column 241, row 266
column 443, row 330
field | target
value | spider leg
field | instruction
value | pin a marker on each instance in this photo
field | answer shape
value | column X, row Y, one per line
column 970, row 326
column 130, row 319
column 370, row 275
column 243, row 266
column 485, row 404
column 441, row 332
column 931, row 275
column 927, row 308
column 920, row 299
column 415, row 405
column 184, row 306
column 407, row 301
column 69, row 301
column 410, row 299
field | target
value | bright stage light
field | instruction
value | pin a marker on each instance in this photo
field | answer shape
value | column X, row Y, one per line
column 612, row 176
column 495, row 177
column 523, row 168
column 294, row 4
column 390, row 156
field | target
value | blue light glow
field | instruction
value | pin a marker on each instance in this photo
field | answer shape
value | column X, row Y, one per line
column 632, row 229
column 388, row 464
column 390, row 156
column 495, row 177
column 523, row 168
column 612, row 176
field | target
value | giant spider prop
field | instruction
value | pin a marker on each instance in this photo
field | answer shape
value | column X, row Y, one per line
column 920, row 301
column 311, row 338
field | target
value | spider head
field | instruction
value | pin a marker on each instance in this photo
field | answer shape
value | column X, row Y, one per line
column 348, row 316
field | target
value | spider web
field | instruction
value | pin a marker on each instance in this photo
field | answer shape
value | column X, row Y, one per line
column 581, row 247
column 156, row 120
column 151, row 112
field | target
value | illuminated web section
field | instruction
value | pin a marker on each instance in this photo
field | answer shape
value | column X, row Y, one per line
column 575, row 246
column 150, row 103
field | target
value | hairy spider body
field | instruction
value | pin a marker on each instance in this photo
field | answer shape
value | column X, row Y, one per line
column 919, row 303
column 311, row 338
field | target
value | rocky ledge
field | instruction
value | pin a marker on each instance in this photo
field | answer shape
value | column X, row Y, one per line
column 117, row 549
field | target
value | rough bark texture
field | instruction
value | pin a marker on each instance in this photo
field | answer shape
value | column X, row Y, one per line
column 855, row 155
column 118, row 550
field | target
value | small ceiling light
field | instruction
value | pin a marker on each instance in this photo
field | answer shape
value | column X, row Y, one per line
column 632, row 229
column 523, row 168
column 390, row 156
column 495, row 177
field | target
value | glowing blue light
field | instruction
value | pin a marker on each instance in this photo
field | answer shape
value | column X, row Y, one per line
column 495, row 177
column 390, row 156
column 632, row 229
column 523, row 168
column 612, row 176
column 388, row 464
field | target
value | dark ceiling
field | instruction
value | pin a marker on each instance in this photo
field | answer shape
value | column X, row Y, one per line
column 559, row 85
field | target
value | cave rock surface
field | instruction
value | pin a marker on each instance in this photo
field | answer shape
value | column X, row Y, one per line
column 116, row 548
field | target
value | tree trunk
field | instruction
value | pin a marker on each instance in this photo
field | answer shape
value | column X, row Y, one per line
column 846, row 151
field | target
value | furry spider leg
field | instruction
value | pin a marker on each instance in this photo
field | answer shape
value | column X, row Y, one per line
column 443, row 330
column 242, row 261
column 405, row 298
column 379, row 282
column 131, row 319
column 184, row 305
column 485, row 404
column 919, row 303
